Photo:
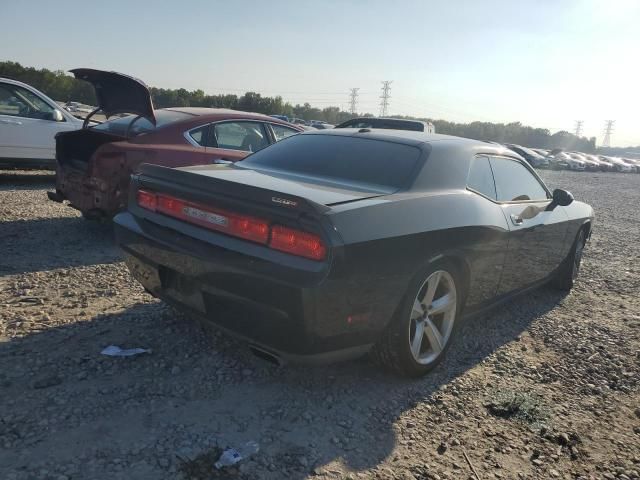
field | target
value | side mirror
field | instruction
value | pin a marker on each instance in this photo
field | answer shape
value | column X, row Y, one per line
column 56, row 116
column 560, row 197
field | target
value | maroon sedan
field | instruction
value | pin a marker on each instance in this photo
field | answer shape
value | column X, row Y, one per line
column 94, row 164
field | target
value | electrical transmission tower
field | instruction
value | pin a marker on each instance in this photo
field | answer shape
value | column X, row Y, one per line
column 384, row 104
column 353, row 101
column 578, row 127
column 608, row 130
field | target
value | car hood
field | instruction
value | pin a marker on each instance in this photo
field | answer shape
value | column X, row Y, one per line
column 118, row 93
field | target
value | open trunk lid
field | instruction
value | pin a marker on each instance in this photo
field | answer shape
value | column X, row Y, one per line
column 118, row 93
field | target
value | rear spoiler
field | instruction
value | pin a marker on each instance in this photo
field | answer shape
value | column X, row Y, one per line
column 176, row 181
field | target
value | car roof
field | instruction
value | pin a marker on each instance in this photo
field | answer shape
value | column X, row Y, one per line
column 198, row 116
column 410, row 137
column 199, row 111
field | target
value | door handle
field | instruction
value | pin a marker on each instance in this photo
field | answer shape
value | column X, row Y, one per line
column 516, row 220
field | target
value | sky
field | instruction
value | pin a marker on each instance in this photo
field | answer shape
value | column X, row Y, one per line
column 544, row 63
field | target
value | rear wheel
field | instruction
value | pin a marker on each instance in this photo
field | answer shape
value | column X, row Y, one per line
column 424, row 326
column 568, row 273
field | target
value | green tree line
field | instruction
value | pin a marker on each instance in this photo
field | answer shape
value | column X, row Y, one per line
column 61, row 86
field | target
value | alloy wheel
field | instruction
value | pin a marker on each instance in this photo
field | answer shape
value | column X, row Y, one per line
column 432, row 317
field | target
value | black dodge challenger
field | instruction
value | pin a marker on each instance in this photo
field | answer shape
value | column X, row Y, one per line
column 332, row 243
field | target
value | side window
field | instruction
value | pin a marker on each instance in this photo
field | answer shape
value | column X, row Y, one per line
column 281, row 131
column 199, row 135
column 481, row 178
column 20, row 102
column 246, row 136
column 514, row 182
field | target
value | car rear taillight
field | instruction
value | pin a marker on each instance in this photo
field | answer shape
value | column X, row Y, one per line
column 296, row 242
column 278, row 237
column 243, row 226
column 147, row 200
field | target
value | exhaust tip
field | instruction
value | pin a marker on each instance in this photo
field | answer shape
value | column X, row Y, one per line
column 266, row 355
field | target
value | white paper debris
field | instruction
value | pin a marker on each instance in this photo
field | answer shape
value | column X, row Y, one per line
column 114, row 351
column 231, row 456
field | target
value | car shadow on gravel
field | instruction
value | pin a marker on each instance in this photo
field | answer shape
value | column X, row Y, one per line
column 196, row 392
column 50, row 243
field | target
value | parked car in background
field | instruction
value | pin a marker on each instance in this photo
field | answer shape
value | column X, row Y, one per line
column 564, row 160
column 94, row 164
column 589, row 164
column 634, row 163
column 534, row 158
column 29, row 121
column 542, row 151
column 284, row 118
column 78, row 107
column 298, row 121
column 604, row 165
column 619, row 165
column 323, row 126
column 388, row 123
column 339, row 251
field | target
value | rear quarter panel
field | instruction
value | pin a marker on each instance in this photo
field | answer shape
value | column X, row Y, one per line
column 388, row 241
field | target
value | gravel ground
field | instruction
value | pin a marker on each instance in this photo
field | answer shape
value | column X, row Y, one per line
column 543, row 387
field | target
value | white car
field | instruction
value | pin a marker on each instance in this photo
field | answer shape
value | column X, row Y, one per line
column 572, row 163
column 634, row 163
column 620, row 165
column 29, row 121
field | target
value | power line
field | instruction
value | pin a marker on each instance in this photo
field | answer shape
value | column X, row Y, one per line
column 608, row 130
column 384, row 104
column 353, row 100
column 578, row 130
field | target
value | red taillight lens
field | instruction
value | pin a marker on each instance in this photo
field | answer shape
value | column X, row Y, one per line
column 244, row 226
column 249, row 228
column 299, row 243
column 147, row 200
column 289, row 240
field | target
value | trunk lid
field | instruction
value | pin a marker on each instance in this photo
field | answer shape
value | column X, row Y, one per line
column 280, row 188
column 118, row 93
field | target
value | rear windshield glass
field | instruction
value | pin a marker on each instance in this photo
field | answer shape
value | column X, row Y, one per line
column 118, row 126
column 342, row 159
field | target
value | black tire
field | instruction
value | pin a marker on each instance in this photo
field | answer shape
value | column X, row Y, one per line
column 568, row 272
column 393, row 350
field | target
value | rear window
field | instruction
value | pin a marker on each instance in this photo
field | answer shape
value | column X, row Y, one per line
column 342, row 159
column 119, row 126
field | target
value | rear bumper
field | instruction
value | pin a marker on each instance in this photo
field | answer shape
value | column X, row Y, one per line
column 280, row 309
column 86, row 193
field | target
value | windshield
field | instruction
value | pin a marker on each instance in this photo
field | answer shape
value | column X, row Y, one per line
column 119, row 126
column 343, row 159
